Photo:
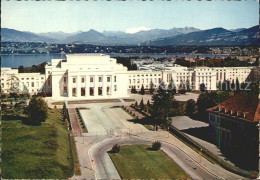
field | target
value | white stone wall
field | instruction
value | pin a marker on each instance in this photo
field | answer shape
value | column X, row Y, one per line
column 89, row 66
column 34, row 82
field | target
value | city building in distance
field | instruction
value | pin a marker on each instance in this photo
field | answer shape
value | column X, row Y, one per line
column 97, row 76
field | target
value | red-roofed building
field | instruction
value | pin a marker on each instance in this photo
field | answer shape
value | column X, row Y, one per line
column 233, row 125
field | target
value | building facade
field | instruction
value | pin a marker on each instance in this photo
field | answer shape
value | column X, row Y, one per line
column 233, row 127
column 97, row 76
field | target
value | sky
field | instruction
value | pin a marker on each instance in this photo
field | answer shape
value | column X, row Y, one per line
column 129, row 16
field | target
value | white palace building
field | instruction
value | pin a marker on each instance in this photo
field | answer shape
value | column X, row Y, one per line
column 97, row 76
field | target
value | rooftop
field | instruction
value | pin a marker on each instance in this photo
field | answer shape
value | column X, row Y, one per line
column 243, row 107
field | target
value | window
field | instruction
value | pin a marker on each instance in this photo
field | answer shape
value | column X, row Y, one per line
column 115, row 88
column 82, row 80
column 108, row 91
column 74, row 80
column 41, row 78
column 22, row 79
column 100, row 79
column 100, row 91
column 91, row 79
column 129, row 81
column 91, row 91
column 114, row 78
column 82, row 91
column 108, row 79
column 65, row 79
column 3, row 85
column 64, row 90
column 74, row 90
column 32, row 84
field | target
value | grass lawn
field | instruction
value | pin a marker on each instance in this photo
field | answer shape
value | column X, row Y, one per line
column 149, row 127
column 137, row 162
column 129, row 100
column 36, row 152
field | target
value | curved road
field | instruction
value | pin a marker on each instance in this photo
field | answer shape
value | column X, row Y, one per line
column 105, row 169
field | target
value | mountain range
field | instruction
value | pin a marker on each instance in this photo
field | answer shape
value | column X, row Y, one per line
column 216, row 36
column 153, row 37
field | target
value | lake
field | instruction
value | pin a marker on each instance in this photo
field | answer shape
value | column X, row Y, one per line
column 14, row 61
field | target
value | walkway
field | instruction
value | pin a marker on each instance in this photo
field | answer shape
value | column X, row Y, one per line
column 136, row 113
column 75, row 126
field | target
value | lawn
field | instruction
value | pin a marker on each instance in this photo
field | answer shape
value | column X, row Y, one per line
column 138, row 162
column 36, row 152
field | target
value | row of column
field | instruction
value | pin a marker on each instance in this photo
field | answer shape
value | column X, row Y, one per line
column 87, row 85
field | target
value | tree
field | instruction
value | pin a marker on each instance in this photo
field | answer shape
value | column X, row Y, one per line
column 136, row 105
column 237, row 86
column 142, row 92
column 182, row 88
column 141, row 105
column 162, row 104
column 133, row 90
column 206, row 100
column 190, row 107
column 151, row 90
column 233, row 86
column 202, row 87
column 21, row 69
column 115, row 148
column 188, row 87
column 156, row 145
column 171, row 87
column 37, row 110
column 162, row 88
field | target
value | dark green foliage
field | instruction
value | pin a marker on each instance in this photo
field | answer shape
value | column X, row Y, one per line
column 182, row 88
column 133, row 90
column 156, row 145
column 115, row 148
column 39, row 68
column 161, row 106
column 142, row 92
column 37, row 111
column 207, row 100
column 182, row 91
column 136, row 104
column 171, row 88
column 226, row 62
column 126, row 61
column 202, row 87
column 190, row 107
column 151, row 90
column 141, row 105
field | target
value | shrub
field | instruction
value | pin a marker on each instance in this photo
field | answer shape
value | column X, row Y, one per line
column 156, row 145
column 115, row 148
column 37, row 110
column 190, row 107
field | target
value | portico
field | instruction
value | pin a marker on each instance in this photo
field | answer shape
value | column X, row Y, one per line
column 92, row 76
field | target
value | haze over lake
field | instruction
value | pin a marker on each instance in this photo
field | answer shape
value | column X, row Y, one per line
column 14, row 61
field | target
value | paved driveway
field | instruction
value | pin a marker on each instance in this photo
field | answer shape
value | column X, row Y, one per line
column 184, row 122
column 105, row 120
